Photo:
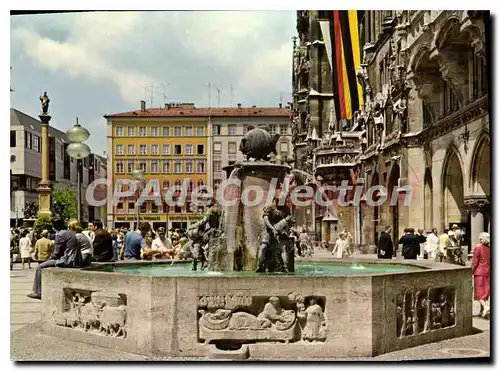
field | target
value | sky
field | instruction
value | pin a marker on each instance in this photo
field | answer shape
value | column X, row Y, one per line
column 98, row 63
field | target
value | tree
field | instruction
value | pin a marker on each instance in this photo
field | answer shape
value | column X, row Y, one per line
column 41, row 223
column 63, row 204
column 30, row 210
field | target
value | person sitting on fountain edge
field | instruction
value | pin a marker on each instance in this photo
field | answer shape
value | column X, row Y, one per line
column 134, row 241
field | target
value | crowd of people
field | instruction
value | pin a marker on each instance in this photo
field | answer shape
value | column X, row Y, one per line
column 69, row 245
column 445, row 247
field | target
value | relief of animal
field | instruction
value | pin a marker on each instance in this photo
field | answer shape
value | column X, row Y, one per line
column 113, row 320
column 259, row 144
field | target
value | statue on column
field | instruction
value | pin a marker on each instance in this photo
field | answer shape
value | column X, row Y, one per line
column 45, row 103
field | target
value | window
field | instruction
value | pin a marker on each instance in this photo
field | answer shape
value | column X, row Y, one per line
column 216, row 130
column 143, row 149
column 119, row 207
column 130, row 166
column 154, row 149
column 231, row 129
column 166, row 149
column 177, row 131
column 166, row 131
column 283, row 129
column 284, row 147
column 142, row 131
column 189, row 131
column 177, row 167
column 232, row 147
column 189, row 166
column 142, row 165
column 27, row 140
column 154, row 208
column 119, row 131
column 178, row 149
column 119, row 167
column 62, row 152
column 154, row 166
column 217, row 147
column 217, row 165
column 119, row 149
column 189, row 149
column 131, row 149
column 272, row 129
column 177, row 209
column 36, row 143
column 154, row 131
column 12, row 138
column 166, row 167
column 131, row 131
column 200, row 131
column 131, row 206
column 144, row 207
column 200, row 166
column 200, row 149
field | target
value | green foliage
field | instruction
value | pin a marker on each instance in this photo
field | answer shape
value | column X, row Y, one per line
column 41, row 223
column 63, row 204
column 30, row 210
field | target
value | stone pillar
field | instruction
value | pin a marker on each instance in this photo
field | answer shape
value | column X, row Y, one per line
column 476, row 205
column 44, row 188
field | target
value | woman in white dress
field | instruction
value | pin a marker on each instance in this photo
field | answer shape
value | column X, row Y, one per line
column 25, row 248
column 340, row 247
column 432, row 244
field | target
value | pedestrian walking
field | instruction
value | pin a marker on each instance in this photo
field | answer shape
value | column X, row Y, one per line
column 481, row 270
column 25, row 248
column 432, row 245
column 385, row 247
column 410, row 243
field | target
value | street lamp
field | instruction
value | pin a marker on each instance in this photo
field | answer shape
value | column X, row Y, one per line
column 78, row 150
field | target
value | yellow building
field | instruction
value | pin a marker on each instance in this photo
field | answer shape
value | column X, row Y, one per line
column 171, row 145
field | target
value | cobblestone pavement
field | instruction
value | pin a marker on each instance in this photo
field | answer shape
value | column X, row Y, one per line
column 29, row 343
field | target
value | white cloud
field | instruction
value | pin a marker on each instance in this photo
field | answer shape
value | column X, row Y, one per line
column 131, row 50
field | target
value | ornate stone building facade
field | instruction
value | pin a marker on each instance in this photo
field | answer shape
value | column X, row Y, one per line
column 424, row 123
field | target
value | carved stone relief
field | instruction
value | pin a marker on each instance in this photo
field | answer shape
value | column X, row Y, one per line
column 244, row 318
column 97, row 312
column 418, row 312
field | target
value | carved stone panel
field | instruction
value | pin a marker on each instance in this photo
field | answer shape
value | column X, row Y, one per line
column 418, row 312
column 98, row 312
column 243, row 318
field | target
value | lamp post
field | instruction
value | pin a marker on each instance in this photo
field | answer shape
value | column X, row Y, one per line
column 138, row 175
column 78, row 150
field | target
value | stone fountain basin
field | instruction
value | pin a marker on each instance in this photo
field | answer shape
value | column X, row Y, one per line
column 160, row 316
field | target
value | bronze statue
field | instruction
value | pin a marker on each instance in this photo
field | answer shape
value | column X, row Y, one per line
column 259, row 144
column 201, row 232
column 273, row 254
column 45, row 103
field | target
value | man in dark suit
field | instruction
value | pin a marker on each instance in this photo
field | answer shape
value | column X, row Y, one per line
column 385, row 246
column 411, row 244
column 103, row 243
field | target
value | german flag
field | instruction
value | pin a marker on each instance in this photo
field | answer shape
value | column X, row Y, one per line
column 346, row 60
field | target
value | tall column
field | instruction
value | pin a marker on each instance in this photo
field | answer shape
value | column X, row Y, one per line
column 475, row 205
column 44, row 188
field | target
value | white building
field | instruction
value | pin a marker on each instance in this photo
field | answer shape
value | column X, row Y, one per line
column 26, row 164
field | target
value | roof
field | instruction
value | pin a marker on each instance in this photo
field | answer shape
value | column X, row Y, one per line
column 18, row 118
column 206, row 112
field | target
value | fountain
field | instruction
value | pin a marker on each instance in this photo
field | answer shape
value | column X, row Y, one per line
column 253, row 300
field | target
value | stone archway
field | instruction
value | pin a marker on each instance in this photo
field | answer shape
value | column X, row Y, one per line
column 453, row 189
column 428, row 201
column 478, row 201
column 481, row 167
